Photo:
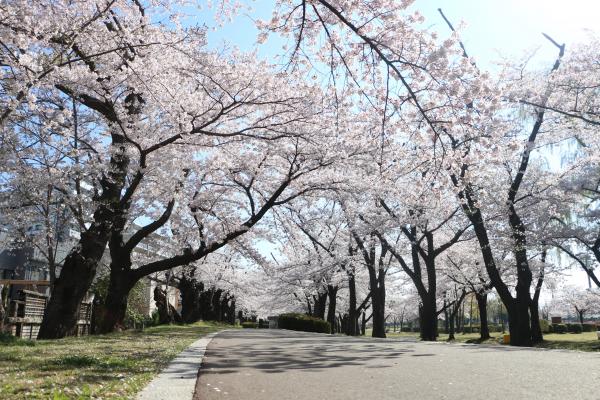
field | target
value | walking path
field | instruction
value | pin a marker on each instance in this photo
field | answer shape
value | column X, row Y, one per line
column 178, row 380
column 284, row 365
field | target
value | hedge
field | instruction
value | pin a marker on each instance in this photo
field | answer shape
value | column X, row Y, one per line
column 559, row 328
column 590, row 327
column 302, row 322
column 249, row 325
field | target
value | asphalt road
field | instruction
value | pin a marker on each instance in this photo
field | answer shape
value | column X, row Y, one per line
column 271, row 364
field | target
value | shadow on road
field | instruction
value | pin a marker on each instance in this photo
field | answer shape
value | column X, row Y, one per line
column 281, row 351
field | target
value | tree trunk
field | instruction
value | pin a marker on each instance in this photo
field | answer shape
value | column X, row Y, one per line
column 484, row 330
column 364, row 324
column 429, row 321
column 451, row 330
column 190, row 290
column 537, row 335
column 79, row 267
column 319, row 307
column 520, row 320
column 115, row 303
column 332, row 296
column 232, row 311
column 167, row 313
column 2, row 308
column 70, row 288
column 352, row 324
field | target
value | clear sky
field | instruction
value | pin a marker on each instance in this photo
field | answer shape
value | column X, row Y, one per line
column 493, row 28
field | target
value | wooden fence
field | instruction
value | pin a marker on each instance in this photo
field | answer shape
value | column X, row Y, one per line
column 27, row 311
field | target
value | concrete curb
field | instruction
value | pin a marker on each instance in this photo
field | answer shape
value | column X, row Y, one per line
column 178, row 379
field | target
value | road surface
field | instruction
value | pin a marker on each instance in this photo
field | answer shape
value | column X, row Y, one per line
column 261, row 364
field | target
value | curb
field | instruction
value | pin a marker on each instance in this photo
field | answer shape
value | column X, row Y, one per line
column 178, row 379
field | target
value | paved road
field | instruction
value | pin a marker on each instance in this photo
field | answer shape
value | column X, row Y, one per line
column 285, row 365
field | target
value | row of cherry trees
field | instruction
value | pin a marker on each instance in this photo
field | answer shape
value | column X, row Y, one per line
column 380, row 149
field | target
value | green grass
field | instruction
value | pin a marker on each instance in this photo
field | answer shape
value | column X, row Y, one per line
column 114, row 366
column 586, row 341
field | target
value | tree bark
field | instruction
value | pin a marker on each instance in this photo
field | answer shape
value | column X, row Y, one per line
column 352, row 324
column 428, row 321
column 332, row 296
column 70, row 288
column 190, row 290
column 320, row 301
column 484, row 330
column 167, row 313
column 115, row 303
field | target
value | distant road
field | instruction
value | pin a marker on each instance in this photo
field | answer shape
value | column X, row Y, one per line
column 251, row 364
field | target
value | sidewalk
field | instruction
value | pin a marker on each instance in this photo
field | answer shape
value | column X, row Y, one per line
column 178, row 379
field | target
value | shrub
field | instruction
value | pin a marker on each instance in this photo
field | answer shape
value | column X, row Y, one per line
column 263, row 324
column 545, row 325
column 416, row 329
column 559, row 328
column 589, row 327
column 406, row 329
column 302, row 322
column 249, row 325
column 577, row 328
column 470, row 329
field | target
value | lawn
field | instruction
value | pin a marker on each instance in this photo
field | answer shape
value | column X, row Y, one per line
column 586, row 341
column 113, row 366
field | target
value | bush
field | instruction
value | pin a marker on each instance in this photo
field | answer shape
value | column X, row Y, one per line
column 470, row 329
column 577, row 328
column 249, row 325
column 406, row 329
column 416, row 329
column 589, row 327
column 559, row 328
column 545, row 325
column 263, row 324
column 495, row 327
column 302, row 322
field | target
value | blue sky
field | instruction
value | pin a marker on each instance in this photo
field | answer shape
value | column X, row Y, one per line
column 493, row 27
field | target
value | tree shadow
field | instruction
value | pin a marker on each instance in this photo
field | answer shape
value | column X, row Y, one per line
column 278, row 351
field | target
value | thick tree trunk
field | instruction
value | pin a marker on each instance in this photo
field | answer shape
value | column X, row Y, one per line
column 332, row 296
column 363, row 325
column 352, row 324
column 232, row 311
column 429, row 321
column 190, row 290
column 378, row 306
column 320, row 301
column 484, row 330
column 216, row 300
column 167, row 313
column 70, row 288
column 79, row 267
column 520, row 320
column 537, row 335
column 115, row 303
column 451, row 330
